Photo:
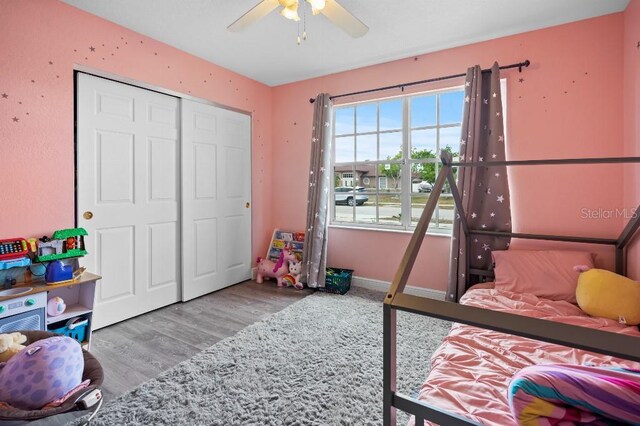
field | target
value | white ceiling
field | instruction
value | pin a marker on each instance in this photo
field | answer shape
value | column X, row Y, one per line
column 267, row 51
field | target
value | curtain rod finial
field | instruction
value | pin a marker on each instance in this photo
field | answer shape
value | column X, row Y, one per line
column 311, row 100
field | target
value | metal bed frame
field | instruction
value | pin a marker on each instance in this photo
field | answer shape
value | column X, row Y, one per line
column 603, row 342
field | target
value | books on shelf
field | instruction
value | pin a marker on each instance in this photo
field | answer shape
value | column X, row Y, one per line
column 281, row 238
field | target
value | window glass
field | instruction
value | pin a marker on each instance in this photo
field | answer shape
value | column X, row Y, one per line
column 422, row 141
column 344, row 149
column 391, row 115
column 366, row 118
column 423, row 111
column 450, row 138
column 367, row 147
column 391, row 146
column 451, row 107
column 344, row 124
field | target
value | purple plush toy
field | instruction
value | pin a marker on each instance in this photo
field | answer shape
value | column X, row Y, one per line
column 42, row 372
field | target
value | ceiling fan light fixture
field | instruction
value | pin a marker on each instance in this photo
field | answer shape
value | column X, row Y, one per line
column 291, row 12
column 317, row 5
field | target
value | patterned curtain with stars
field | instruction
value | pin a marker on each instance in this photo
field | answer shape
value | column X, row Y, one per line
column 485, row 190
column 315, row 244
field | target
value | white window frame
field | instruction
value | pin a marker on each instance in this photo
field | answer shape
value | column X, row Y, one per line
column 405, row 224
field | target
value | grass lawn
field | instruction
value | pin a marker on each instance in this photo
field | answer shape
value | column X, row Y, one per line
column 417, row 199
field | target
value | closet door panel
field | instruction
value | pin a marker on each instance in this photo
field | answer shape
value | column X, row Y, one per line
column 128, row 180
column 217, row 194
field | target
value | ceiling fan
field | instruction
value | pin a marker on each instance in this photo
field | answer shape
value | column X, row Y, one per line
column 329, row 8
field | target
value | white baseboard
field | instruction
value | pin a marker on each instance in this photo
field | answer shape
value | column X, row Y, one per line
column 383, row 286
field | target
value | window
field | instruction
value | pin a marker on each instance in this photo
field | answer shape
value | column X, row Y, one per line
column 382, row 182
column 389, row 149
column 393, row 145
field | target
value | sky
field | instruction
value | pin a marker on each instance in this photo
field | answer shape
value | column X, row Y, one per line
column 423, row 113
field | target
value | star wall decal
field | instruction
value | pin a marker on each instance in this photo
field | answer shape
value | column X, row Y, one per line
column 15, row 119
column 50, row 62
column 91, row 48
column 521, row 80
column 4, row 96
column 500, row 198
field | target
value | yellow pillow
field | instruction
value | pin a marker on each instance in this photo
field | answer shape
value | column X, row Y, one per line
column 604, row 294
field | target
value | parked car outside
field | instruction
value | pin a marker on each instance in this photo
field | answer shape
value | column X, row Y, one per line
column 424, row 186
column 345, row 195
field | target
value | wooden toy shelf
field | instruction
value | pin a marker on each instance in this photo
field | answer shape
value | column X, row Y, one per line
column 280, row 238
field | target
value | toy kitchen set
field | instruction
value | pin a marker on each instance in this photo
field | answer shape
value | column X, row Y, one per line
column 43, row 287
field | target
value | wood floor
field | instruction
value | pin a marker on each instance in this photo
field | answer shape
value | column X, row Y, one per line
column 139, row 349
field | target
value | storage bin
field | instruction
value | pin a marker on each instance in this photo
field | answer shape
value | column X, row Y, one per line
column 76, row 328
column 337, row 281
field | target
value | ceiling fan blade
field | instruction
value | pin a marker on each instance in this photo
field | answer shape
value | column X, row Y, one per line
column 261, row 10
column 344, row 19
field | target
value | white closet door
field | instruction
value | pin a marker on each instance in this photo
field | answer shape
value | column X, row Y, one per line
column 128, row 196
column 216, row 194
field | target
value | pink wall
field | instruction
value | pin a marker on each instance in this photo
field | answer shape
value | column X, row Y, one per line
column 567, row 104
column 632, row 119
column 40, row 42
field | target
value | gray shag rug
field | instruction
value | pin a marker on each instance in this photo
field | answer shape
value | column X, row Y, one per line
column 316, row 362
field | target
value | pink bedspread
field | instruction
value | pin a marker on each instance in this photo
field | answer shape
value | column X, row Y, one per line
column 472, row 369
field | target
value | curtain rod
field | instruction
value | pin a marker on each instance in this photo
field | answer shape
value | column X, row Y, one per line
column 519, row 65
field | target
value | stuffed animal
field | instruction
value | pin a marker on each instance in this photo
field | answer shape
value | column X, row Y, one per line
column 292, row 279
column 277, row 270
column 11, row 344
column 602, row 293
column 44, row 371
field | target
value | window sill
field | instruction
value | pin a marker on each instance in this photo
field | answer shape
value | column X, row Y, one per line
column 396, row 231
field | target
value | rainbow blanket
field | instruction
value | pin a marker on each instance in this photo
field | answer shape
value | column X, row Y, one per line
column 561, row 394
